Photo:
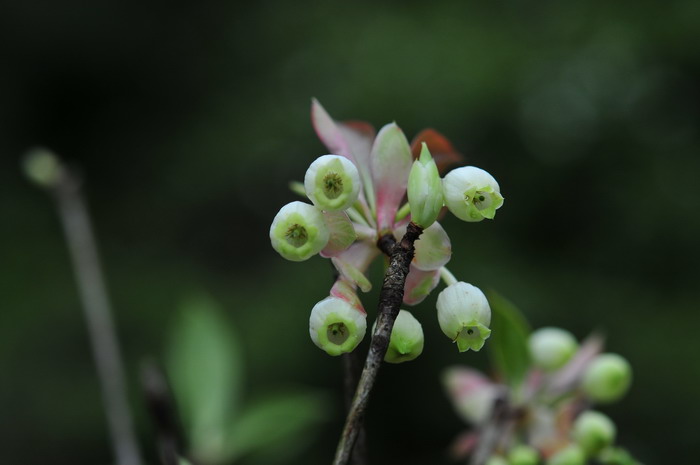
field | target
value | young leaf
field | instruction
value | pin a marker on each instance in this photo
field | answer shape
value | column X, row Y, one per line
column 205, row 368
column 342, row 233
column 391, row 164
column 508, row 344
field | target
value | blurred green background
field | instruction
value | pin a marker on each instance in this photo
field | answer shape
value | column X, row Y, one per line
column 189, row 120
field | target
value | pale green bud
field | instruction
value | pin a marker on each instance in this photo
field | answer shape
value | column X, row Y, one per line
column 616, row 456
column 332, row 183
column 406, row 342
column 570, row 455
column 552, row 348
column 496, row 460
column 464, row 315
column 471, row 193
column 298, row 231
column 42, row 167
column 523, row 455
column 336, row 327
column 424, row 189
column 594, row 431
column 607, row 378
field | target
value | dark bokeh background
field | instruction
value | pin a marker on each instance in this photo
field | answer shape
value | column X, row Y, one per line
column 188, row 121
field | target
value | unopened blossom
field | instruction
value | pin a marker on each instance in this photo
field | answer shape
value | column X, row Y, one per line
column 298, row 231
column 471, row 194
column 332, row 182
column 607, row 378
column 551, row 348
column 336, row 326
column 464, row 315
column 424, row 189
column 594, row 431
column 406, row 342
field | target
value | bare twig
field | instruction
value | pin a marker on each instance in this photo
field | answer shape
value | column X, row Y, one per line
column 390, row 300
column 352, row 366
column 162, row 411
column 93, row 294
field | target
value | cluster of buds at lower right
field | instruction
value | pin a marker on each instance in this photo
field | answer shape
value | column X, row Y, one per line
column 372, row 186
column 551, row 413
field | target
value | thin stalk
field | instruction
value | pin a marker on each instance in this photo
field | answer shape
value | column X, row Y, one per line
column 390, row 299
column 402, row 213
column 357, row 217
column 103, row 338
column 447, row 277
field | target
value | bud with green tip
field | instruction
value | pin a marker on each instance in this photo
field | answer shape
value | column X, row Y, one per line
column 298, row 231
column 406, row 342
column 42, row 167
column 523, row 455
column 336, row 327
column 616, row 456
column 552, row 348
column 472, row 194
column 464, row 315
column 424, row 189
column 570, row 455
column 594, row 431
column 607, row 378
column 332, row 183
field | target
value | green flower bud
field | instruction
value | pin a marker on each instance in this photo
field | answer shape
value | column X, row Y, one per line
column 607, row 378
column 616, row 456
column 298, row 231
column 336, row 327
column 406, row 342
column 523, row 455
column 424, row 189
column 593, row 431
column 464, row 315
column 496, row 460
column 471, row 193
column 570, row 455
column 552, row 348
column 332, row 183
column 42, row 167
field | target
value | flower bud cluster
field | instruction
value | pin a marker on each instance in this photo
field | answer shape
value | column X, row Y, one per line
column 355, row 196
column 550, row 420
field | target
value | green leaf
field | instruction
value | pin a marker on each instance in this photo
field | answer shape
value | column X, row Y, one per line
column 277, row 424
column 508, row 344
column 205, row 368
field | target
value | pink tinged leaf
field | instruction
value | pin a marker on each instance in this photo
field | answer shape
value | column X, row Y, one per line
column 433, row 248
column 352, row 274
column 391, row 163
column 358, row 136
column 571, row 373
column 463, row 445
column 342, row 233
column 419, row 284
column 328, row 131
column 344, row 290
column 360, row 255
column 472, row 393
column 440, row 148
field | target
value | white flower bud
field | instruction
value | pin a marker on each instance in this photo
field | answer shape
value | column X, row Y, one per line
column 298, row 231
column 594, row 431
column 424, row 190
column 471, row 193
column 607, row 378
column 332, row 183
column 406, row 342
column 464, row 315
column 336, row 327
column 552, row 348
column 496, row 460
column 43, row 167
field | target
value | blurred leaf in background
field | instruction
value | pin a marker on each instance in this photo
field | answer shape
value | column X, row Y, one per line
column 508, row 347
column 205, row 366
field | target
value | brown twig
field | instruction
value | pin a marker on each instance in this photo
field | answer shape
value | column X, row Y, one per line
column 352, row 366
column 390, row 300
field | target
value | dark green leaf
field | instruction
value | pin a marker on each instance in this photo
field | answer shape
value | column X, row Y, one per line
column 508, row 343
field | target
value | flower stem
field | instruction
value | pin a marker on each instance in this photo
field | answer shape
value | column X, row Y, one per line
column 390, row 299
column 448, row 277
column 103, row 337
column 403, row 212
